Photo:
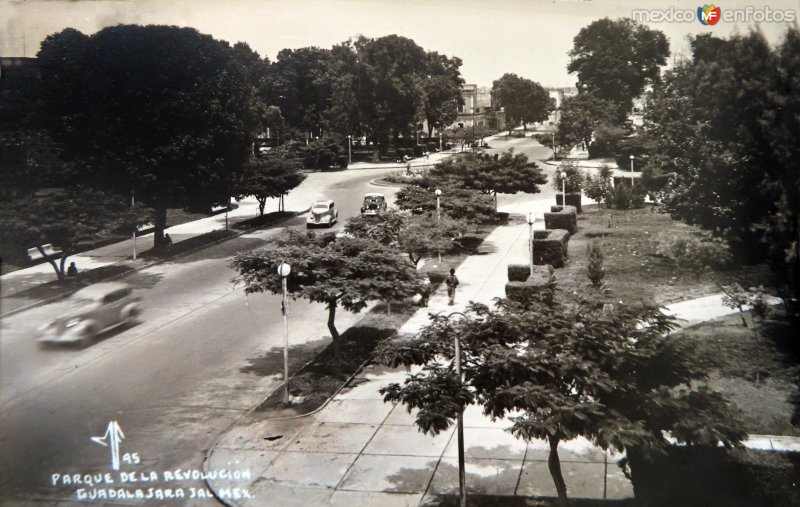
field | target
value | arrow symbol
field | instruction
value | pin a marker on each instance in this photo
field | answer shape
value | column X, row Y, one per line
column 112, row 437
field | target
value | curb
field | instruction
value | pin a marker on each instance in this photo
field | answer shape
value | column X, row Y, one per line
column 66, row 293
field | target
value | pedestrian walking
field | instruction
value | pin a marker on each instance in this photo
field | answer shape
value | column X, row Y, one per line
column 451, row 282
column 425, row 292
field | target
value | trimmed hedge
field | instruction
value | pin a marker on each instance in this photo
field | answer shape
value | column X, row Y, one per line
column 541, row 282
column 562, row 217
column 572, row 200
column 550, row 247
column 518, row 272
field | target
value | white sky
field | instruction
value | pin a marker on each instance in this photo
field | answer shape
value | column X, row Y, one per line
column 528, row 37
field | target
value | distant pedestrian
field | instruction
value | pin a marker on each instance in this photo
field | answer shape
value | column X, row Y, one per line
column 451, row 282
column 72, row 270
column 425, row 292
column 167, row 240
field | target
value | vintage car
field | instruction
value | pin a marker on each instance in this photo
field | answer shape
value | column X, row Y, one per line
column 373, row 204
column 322, row 213
column 91, row 311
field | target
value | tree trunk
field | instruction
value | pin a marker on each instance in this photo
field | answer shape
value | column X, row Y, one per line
column 62, row 271
column 554, row 464
column 495, row 200
column 59, row 272
column 337, row 352
column 160, row 224
column 262, row 204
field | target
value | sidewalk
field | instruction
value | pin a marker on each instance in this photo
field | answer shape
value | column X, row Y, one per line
column 358, row 450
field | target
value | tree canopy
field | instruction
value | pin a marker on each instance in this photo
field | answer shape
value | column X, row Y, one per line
column 69, row 219
column 524, row 101
column 616, row 59
column 164, row 112
column 343, row 272
column 611, row 376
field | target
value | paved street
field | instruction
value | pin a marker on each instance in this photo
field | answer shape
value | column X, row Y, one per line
column 174, row 381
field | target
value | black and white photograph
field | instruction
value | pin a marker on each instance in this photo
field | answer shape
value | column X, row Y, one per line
column 485, row 253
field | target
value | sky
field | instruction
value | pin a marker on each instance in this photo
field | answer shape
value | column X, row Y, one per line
column 530, row 38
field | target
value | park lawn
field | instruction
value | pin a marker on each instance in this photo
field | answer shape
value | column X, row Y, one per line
column 757, row 371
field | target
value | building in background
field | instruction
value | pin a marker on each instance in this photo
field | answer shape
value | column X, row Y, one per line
column 478, row 109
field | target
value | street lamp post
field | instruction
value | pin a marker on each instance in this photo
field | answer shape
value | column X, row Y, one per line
column 555, row 155
column 349, row 144
column 632, row 157
column 438, row 220
column 283, row 271
column 462, row 475
column 531, row 219
column 562, row 175
column 440, row 142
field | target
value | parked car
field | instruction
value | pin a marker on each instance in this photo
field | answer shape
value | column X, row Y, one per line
column 92, row 310
column 374, row 203
column 323, row 213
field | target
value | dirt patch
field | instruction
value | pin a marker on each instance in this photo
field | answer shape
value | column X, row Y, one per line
column 322, row 373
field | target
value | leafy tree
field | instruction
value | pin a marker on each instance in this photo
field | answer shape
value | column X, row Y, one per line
column 508, row 174
column 523, row 100
column 594, row 267
column 442, row 90
column 344, row 272
column 580, row 116
column 411, row 234
column 456, row 201
column 165, row 112
column 330, row 151
column 392, row 85
column 613, row 377
column 598, row 187
column 69, row 219
column 270, row 177
column 296, row 83
column 616, row 59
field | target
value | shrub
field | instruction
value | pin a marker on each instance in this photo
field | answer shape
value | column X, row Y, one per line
column 562, row 217
column 623, row 196
column 695, row 251
column 518, row 272
column 606, row 140
column 574, row 178
column 324, row 153
column 598, row 187
column 417, row 151
column 595, row 269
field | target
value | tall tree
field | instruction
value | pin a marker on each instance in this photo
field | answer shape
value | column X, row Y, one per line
column 581, row 115
column 296, row 83
column 69, row 219
column 442, row 91
column 162, row 111
column 616, row 59
column 613, row 377
column 393, row 86
column 344, row 272
column 524, row 101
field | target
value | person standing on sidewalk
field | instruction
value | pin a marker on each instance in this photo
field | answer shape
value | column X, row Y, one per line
column 451, row 282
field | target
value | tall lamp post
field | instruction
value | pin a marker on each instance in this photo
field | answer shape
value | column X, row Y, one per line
column 632, row 157
column 555, row 154
column 349, row 144
column 438, row 219
column 562, row 175
column 531, row 219
column 462, row 475
column 283, row 271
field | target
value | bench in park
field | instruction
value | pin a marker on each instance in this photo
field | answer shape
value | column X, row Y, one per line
column 35, row 254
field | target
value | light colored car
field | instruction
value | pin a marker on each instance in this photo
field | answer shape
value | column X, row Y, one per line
column 323, row 213
column 374, row 203
column 92, row 310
